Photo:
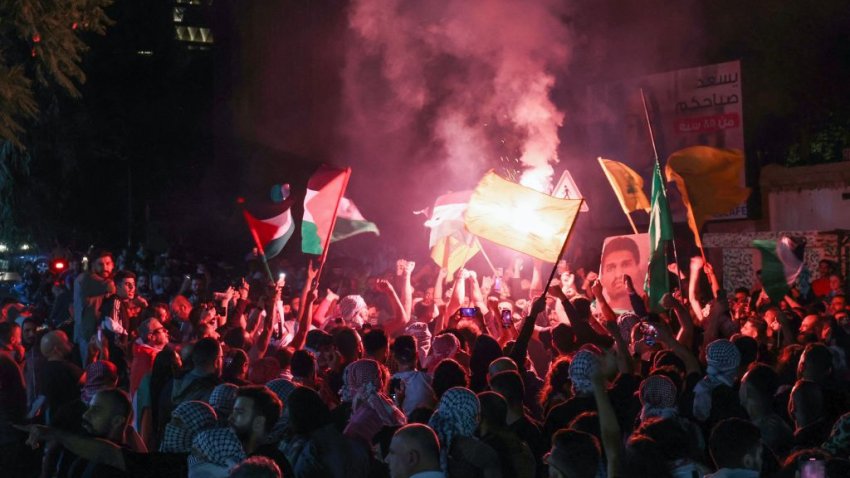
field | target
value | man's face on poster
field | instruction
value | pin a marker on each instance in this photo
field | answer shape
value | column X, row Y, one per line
column 615, row 265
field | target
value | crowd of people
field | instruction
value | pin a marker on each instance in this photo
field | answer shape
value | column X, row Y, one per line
column 129, row 366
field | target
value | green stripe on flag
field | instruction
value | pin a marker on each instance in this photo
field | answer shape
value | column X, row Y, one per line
column 344, row 228
column 310, row 241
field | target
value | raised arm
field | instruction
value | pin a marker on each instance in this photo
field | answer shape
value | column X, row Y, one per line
column 521, row 345
column 258, row 350
column 400, row 318
column 475, row 293
column 693, row 286
column 458, row 294
column 686, row 324
column 305, row 318
column 438, row 286
column 94, row 450
column 320, row 316
column 609, row 427
column 407, row 288
column 712, row 279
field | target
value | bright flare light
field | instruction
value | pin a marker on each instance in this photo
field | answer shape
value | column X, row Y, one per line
column 4, row 248
column 525, row 217
column 25, row 247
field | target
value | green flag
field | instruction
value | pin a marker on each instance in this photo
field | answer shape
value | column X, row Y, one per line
column 660, row 231
column 781, row 264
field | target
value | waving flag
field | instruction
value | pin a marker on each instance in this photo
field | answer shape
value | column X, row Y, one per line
column 660, row 234
column 710, row 182
column 270, row 235
column 349, row 222
column 781, row 264
column 451, row 245
column 627, row 185
column 520, row 218
column 325, row 191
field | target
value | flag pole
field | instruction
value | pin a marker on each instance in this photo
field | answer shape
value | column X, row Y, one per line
column 561, row 253
column 486, row 257
column 254, row 235
column 331, row 230
column 632, row 222
column 658, row 163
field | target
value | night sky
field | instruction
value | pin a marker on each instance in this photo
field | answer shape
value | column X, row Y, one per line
column 160, row 146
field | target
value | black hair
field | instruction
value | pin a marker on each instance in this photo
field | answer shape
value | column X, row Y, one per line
column 404, row 349
column 205, row 352
column 621, row 244
column 266, row 403
column 494, row 409
column 580, row 450
column 763, row 380
column 256, row 467
column 123, row 274
column 448, row 374
column 303, row 364
column 509, row 384
column 731, row 440
column 485, row 350
column 119, row 400
column 374, row 341
column 345, row 339
column 307, row 411
column 317, row 339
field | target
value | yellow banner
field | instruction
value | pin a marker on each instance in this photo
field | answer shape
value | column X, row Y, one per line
column 627, row 185
column 520, row 218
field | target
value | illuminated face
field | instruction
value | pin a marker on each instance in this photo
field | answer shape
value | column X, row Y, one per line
column 741, row 297
column 834, row 282
column 103, row 267
column 823, row 268
column 157, row 336
column 616, row 265
column 126, row 289
column 429, row 295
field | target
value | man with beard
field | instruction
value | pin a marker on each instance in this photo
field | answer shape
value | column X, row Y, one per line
column 152, row 338
column 33, row 359
column 107, row 424
column 254, row 415
column 90, row 290
column 620, row 258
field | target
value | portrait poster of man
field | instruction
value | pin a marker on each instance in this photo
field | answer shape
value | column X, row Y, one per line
column 623, row 256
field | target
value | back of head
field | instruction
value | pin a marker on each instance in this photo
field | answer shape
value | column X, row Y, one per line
column 485, row 350
column 761, row 382
column 509, row 385
column 747, row 347
column 731, row 441
column 266, row 404
column 307, row 411
column 575, row 454
column 347, row 342
column 670, row 435
column 256, row 467
column 303, row 364
column 563, row 338
column 316, row 339
column 404, row 349
column 501, row 364
column 494, row 409
column 815, row 363
column 422, row 439
column 448, row 374
column 374, row 341
column 206, row 353
column 806, row 405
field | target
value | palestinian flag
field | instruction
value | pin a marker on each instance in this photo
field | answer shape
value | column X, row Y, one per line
column 270, row 235
column 349, row 222
column 781, row 264
column 325, row 191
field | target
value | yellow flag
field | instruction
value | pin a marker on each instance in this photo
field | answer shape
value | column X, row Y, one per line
column 627, row 185
column 709, row 180
column 451, row 253
column 520, row 218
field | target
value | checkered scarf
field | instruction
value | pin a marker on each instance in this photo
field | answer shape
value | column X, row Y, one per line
column 657, row 397
column 443, row 346
column 838, row 443
column 723, row 359
column 583, row 365
column 219, row 446
column 222, row 399
column 99, row 375
column 420, row 331
column 282, row 388
column 196, row 416
column 349, row 308
column 364, row 384
column 456, row 415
